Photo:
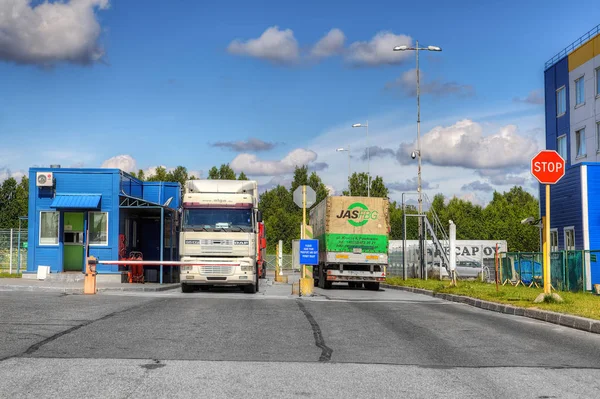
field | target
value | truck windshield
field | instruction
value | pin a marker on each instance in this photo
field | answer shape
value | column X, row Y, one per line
column 218, row 219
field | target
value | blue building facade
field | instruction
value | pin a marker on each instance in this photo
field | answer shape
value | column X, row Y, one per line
column 572, row 117
column 107, row 212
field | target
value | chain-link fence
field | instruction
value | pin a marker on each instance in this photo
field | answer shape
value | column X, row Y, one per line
column 287, row 263
column 567, row 269
column 475, row 259
column 13, row 250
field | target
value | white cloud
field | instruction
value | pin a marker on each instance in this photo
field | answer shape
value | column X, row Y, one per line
column 463, row 144
column 252, row 144
column 251, row 165
column 478, row 186
column 282, row 180
column 501, row 177
column 534, row 97
column 331, row 44
column 277, row 46
column 50, row 33
column 6, row 173
column 472, row 198
column 407, row 82
column 379, row 50
column 410, row 185
column 124, row 162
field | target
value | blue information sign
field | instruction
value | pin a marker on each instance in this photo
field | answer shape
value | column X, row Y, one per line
column 309, row 252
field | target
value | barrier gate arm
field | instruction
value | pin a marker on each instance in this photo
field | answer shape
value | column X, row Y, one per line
column 164, row 263
column 90, row 270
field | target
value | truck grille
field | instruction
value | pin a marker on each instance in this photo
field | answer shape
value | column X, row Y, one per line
column 216, row 242
column 217, row 270
column 216, row 250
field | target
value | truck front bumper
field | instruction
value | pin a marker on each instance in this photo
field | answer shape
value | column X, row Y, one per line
column 355, row 276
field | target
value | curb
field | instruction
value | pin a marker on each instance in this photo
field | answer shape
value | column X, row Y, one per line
column 577, row 322
column 31, row 288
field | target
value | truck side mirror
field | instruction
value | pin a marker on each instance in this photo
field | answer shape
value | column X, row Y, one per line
column 259, row 216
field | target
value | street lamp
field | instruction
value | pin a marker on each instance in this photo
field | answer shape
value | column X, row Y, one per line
column 368, row 157
column 418, row 151
column 348, row 150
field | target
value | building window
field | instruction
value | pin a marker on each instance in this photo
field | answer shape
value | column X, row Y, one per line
column 561, row 146
column 579, row 91
column 98, row 228
column 553, row 240
column 49, row 228
column 561, row 101
column 598, row 81
column 598, row 136
column 580, row 142
column 570, row 238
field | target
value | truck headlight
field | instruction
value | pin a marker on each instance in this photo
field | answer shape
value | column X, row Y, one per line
column 247, row 268
column 186, row 268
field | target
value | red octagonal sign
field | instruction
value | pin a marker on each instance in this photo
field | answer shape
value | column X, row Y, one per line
column 548, row 167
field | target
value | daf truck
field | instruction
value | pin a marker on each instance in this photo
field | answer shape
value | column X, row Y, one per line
column 220, row 235
column 353, row 234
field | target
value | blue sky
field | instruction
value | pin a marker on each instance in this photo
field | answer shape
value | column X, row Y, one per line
column 160, row 83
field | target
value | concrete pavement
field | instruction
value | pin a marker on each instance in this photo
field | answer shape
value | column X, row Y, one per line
column 222, row 343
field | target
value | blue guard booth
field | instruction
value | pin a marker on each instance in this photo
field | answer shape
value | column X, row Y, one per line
column 120, row 213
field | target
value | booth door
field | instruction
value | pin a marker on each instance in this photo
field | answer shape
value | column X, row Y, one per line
column 73, row 241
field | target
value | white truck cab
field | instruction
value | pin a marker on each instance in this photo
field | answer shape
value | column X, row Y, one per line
column 219, row 234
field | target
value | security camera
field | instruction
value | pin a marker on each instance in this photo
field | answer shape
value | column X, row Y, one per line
column 528, row 220
column 413, row 155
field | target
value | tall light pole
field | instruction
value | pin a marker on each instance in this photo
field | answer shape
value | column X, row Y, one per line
column 368, row 157
column 418, row 152
column 349, row 172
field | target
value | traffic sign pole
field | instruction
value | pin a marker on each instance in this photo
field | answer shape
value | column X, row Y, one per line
column 303, row 234
column 547, row 239
column 548, row 167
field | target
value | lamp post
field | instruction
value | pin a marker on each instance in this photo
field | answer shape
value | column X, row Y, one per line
column 348, row 150
column 368, row 157
column 418, row 151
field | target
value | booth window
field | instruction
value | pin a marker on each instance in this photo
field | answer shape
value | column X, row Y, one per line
column 98, row 228
column 49, row 228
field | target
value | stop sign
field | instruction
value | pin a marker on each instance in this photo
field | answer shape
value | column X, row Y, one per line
column 548, row 167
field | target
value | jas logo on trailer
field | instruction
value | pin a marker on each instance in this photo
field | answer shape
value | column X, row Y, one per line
column 358, row 217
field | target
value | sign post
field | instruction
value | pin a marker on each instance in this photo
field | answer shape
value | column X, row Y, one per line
column 548, row 167
column 304, row 196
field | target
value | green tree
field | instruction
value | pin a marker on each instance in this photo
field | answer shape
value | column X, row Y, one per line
column 242, row 176
column 226, row 173
column 359, row 186
column 502, row 218
column 213, row 173
column 179, row 174
column 159, row 175
column 14, row 199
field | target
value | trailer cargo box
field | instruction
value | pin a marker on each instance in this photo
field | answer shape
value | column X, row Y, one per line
column 353, row 234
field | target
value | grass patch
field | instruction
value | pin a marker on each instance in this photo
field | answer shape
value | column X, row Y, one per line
column 583, row 304
column 9, row 275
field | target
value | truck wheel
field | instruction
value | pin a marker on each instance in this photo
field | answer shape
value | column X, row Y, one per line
column 253, row 288
column 372, row 286
column 186, row 288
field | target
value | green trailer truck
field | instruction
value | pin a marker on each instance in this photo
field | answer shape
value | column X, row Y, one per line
column 353, row 234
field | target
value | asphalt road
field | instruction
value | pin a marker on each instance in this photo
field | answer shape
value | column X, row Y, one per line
column 340, row 343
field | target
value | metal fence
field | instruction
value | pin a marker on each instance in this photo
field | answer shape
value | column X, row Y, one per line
column 476, row 264
column 287, row 262
column 13, row 250
column 567, row 269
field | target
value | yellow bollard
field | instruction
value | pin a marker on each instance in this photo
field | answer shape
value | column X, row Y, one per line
column 306, row 286
column 89, row 283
